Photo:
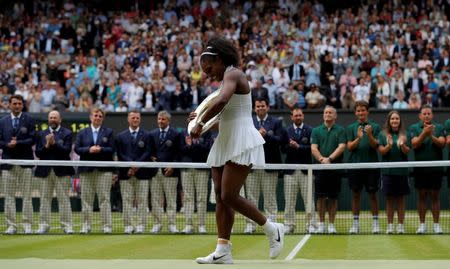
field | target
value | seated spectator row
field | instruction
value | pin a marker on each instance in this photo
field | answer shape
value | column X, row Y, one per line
column 70, row 56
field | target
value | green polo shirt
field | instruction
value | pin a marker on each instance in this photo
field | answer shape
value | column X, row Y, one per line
column 427, row 151
column 394, row 155
column 328, row 140
column 447, row 130
column 363, row 153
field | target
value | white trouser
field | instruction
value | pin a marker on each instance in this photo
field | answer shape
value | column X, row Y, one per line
column 292, row 184
column 61, row 186
column 259, row 180
column 134, row 189
column 164, row 187
column 195, row 186
column 91, row 183
column 17, row 179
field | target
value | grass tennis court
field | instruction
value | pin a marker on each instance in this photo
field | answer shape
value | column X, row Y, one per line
column 245, row 247
column 249, row 251
column 164, row 251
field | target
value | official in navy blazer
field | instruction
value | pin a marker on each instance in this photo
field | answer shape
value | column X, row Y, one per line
column 298, row 150
column 168, row 149
column 17, row 137
column 271, row 130
column 195, row 181
column 95, row 143
column 134, row 144
column 54, row 143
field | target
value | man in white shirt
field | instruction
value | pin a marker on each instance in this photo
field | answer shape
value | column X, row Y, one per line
column 361, row 92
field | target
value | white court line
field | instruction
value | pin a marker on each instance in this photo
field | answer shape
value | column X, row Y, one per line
column 298, row 247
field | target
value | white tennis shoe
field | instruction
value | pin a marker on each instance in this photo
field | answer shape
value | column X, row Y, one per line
column 422, row 229
column 216, row 258
column 276, row 240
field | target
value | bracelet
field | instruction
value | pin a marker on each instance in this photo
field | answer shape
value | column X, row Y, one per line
column 201, row 123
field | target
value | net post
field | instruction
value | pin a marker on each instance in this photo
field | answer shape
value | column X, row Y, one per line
column 309, row 194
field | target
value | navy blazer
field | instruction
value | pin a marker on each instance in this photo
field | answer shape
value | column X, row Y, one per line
column 168, row 149
column 25, row 134
column 198, row 151
column 140, row 149
column 273, row 138
column 85, row 140
column 301, row 155
column 59, row 151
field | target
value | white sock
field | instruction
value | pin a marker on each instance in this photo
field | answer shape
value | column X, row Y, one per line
column 268, row 227
column 222, row 248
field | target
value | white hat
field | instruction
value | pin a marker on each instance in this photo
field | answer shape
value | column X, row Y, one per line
column 251, row 63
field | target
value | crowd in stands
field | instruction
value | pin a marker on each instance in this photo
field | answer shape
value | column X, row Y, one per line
column 71, row 56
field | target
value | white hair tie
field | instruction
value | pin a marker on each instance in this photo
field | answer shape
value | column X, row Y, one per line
column 208, row 53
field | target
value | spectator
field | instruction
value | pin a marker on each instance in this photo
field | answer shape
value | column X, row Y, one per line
column 95, row 143
column 382, row 90
column 362, row 144
column 396, row 84
column 281, row 77
column 327, row 148
column 258, row 181
column 48, row 95
column 135, row 144
column 259, row 91
column 98, row 46
column 296, row 70
column 427, row 140
column 195, row 181
column 414, row 102
column 54, row 143
column 400, row 103
column 193, row 95
column 134, row 96
column 332, row 93
column 314, row 99
column 297, row 147
column 17, row 137
column 34, row 103
column 431, row 88
column 415, row 84
column 312, row 70
column 271, row 91
column 4, row 98
column 360, row 93
column 164, row 185
column 384, row 102
column 394, row 147
column 444, row 91
column 290, row 97
column 252, row 71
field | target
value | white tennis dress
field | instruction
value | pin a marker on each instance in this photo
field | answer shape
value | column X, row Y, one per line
column 238, row 140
